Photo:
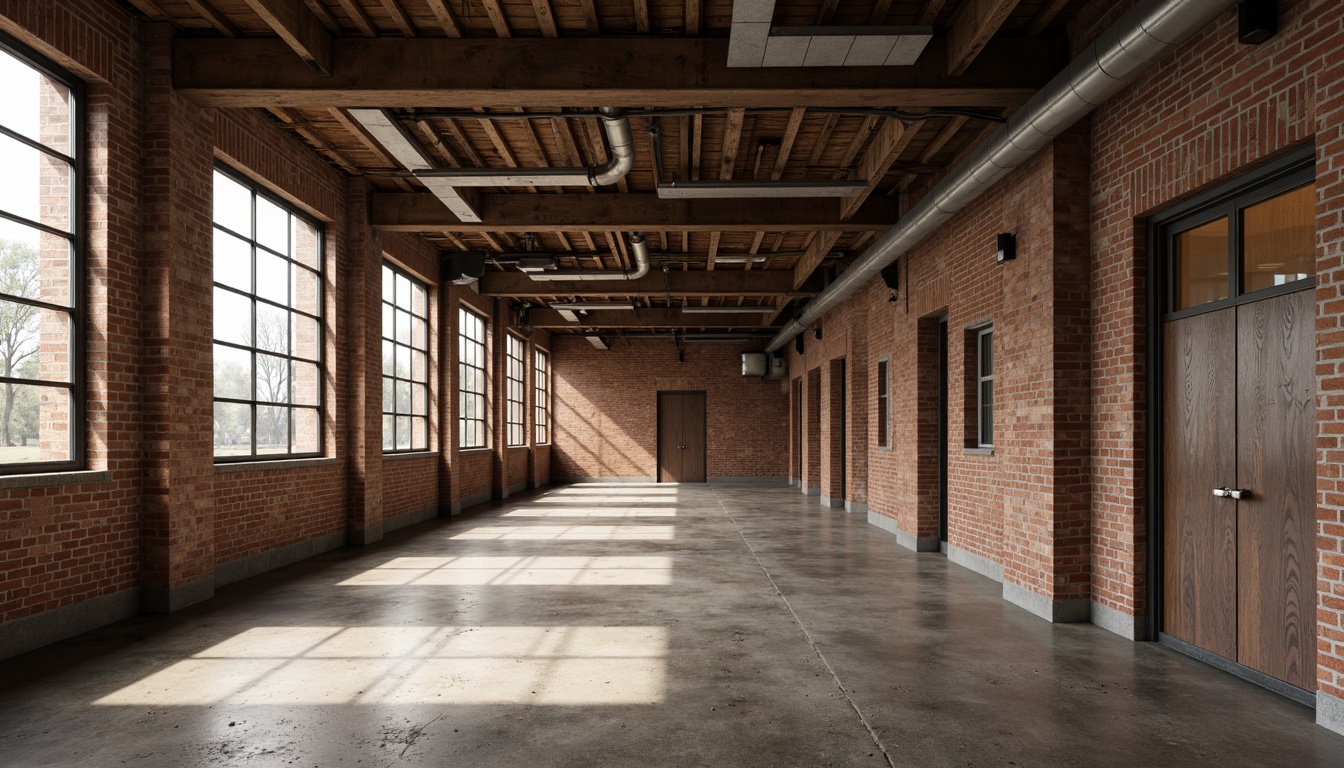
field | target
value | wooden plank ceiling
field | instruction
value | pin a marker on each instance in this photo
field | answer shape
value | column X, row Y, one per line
column 325, row 56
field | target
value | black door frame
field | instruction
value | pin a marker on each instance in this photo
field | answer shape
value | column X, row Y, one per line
column 942, row 432
column 658, row 439
column 1284, row 173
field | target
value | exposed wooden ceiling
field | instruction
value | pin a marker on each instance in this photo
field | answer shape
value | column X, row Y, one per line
column 446, row 70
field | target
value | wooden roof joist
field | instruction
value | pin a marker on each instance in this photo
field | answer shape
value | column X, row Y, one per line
column 644, row 318
column 589, row 72
column 501, row 212
column 757, row 283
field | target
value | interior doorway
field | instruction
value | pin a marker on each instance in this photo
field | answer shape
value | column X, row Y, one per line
column 682, row 437
column 1235, row 429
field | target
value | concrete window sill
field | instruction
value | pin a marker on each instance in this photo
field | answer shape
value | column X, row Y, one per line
column 257, row 466
column 47, row 479
column 409, row 456
column 978, row 452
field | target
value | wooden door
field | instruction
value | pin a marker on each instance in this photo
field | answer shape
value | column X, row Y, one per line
column 1276, row 523
column 1199, row 585
column 1239, row 414
column 681, row 437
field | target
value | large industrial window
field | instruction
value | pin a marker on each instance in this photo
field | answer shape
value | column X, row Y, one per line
column 984, row 392
column 405, row 362
column 883, row 409
column 41, row 242
column 541, row 406
column 268, row 325
column 513, row 384
column 471, row 379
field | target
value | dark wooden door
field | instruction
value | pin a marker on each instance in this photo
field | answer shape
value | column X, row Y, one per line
column 1276, row 523
column 681, row 437
column 1239, row 414
column 1199, row 585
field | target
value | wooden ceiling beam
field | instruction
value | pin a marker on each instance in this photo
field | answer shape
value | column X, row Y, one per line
column 786, row 142
column 359, row 17
column 816, row 252
column 975, row 24
column 694, row 14
column 930, row 13
column 891, row 141
column 590, row 16
column 1044, row 16
column 545, row 18
column 498, row 20
column 206, row 10
column 645, row 318
column 445, row 16
column 501, row 212
column 540, row 73
column 300, row 28
column 399, row 17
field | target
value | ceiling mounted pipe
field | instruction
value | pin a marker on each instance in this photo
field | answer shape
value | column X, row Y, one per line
column 1126, row 50
column 621, row 147
column 639, row 252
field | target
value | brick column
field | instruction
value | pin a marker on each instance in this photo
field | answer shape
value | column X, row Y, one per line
column 177, row 539
column 811, row 436
column 832, row 448
column 363, row 348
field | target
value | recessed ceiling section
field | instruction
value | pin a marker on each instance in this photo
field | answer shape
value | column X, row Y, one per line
column 755, row 42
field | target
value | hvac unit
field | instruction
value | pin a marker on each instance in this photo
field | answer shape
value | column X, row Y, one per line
column 754, row 364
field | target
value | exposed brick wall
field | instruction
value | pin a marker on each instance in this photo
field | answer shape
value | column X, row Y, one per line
column 1025, row 507
column 606, row 404
column 64, row 543
column 409, row 485
column 1213, row 109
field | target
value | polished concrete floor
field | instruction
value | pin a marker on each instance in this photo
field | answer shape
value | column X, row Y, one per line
column 633, row 625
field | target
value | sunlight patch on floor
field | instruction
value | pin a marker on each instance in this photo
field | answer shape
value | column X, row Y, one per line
column 573, row 666
column 569, row 533
column 592, row 512
column 518, row 571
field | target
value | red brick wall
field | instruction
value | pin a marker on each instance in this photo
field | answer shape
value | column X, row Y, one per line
column 62, row 543
column 409, row 485
column 606, row 404
column 1213, row 109
column 1025, row 507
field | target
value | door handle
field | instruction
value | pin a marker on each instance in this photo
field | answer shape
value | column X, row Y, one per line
column 1239, row 493
column 1222, row 493
column 682, row 447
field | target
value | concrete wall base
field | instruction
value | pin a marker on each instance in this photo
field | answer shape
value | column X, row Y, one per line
column 1069, row 611
column 572, row 480
column 772, row 480
column 832, row 502
column 856, row 507
column 467, row 502
column 811, row 491
column 1330, row 712
column 1122, row 624
column 981, row 565
column 158, row 600
column 247, row 567
column 405, row 519
column 542, row 482
column 30, row 632
column 515, row 489
column 912, row 543
column 362, row 537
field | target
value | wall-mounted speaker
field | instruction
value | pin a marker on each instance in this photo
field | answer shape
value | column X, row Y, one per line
column 891, row 275
column 1006, row 243
column 798, row 343
column 1257, row 21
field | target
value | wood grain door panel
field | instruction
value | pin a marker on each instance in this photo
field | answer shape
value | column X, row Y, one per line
column 1276, row 525
column 1199, row 451
column 681, row 437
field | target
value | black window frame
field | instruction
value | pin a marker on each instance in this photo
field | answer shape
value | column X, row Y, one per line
column 883, row 373
column 1230, row 199
column 984, row 374
column 515, row 392
column 541, row 395
column 78, row 239
column 260, row 191
column 482, row 411
column 388, row 336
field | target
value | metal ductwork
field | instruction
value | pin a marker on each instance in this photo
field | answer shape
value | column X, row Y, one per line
column 1137, row 41
column 621, row 148
column 639, row 251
